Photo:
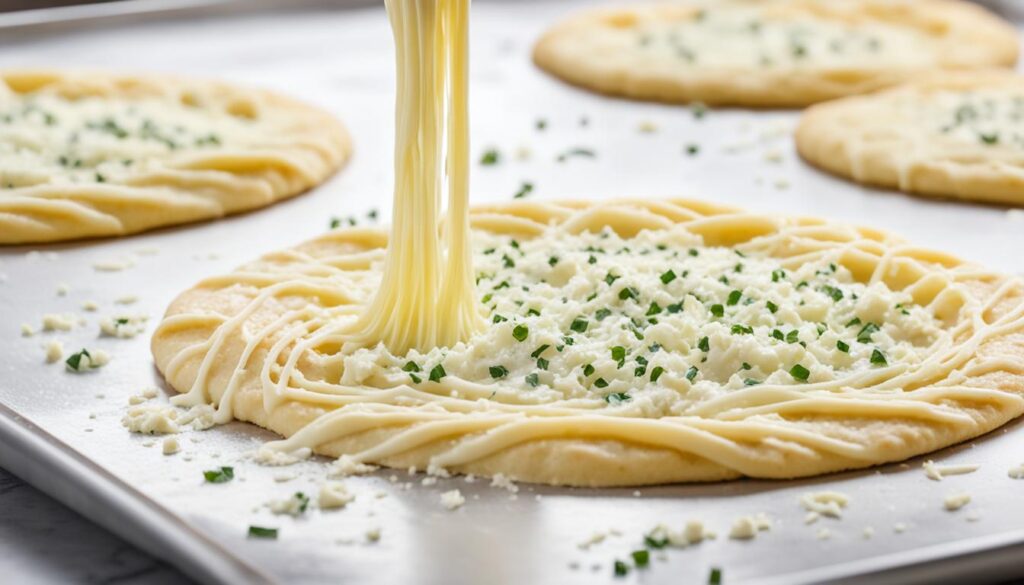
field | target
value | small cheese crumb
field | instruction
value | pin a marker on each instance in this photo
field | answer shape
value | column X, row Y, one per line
column 744, row 528
column 151, row 419
column 500, row 481
column 123, row 326
column 899, row 527
column 827, row 503
column 171, row 446
column 773, row 156
column 868, row 532
column 373, row 535
column 90, row 306
column 27, row 330
column 824, row 534
column 595, row 538
column 334, row 494
column 63, row 289
column 954, row 502
column 126, row 300
column 647, row 127
column 452, row 499
column 1016, row 472
column 113, row 264
column 937, row 472
column 55, row 322
column 1015, row 214
column 284, row 477
column 293, row 506
column 274, row 458
column 346, row 465
column 86, row 360
column 54, row 351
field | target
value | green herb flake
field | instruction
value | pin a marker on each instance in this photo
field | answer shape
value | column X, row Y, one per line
column 437, row 373
column 525, row 189
column 668, row 277
column 490, row 157
column 579, row 325
column 601, row 383
column 532, row 380
column 498, row 372
column 691, row 374
column 588, row 370
column 616, row 398
column 704, row 344
column 220, row 475
column 262, row 532
column 843, row 346
column 800, row 373
column 656, row 373
column 715, row 577
column 772, row 307
column 717, row 310
column 520, row 332
column 734, row 298
column 621, row 568
column 878, row 358
column 641, row 558
column 864, row 335
column 410, row 367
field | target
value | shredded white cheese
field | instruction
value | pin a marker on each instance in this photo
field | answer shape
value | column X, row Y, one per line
column 955, row 501
column 54, row 351
column 334, row 494
column 171, row 446
column 826, row 503
column 937, row 472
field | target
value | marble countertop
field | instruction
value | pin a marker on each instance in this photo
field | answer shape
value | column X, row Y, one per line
column 42, row 541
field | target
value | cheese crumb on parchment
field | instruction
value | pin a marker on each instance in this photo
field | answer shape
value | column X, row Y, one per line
column 826, row 503
column 747, row 527
column 123, row 326
column 171, row 446
column 295, row 505
column 1017, row 472
column 333, row 495
column 54, row 351
column 937, row 472
column 274, row 458
column 346, row 465
column 60, row 322
column 955, row 501
column 452, row 499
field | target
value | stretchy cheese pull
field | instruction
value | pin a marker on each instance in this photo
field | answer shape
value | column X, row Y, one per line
column 427, row 297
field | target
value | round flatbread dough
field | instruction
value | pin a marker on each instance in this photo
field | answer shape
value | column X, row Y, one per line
column 770, row 53
column 92, row 154
column 630, row 343
column 956, row 136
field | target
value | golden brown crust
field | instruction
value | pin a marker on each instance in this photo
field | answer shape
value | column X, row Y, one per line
column 882, row 140
column 960, row 35
column 289, row 148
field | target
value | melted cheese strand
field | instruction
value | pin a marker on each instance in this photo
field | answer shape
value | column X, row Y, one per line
column 426, row 299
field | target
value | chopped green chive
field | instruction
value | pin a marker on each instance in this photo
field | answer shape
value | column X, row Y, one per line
column 261, row 532
column 734, row 298
column 692, row 373
column 539, row 351
column 490, row 157
column 704, row 344
column 715, row 577
column 617, row 398
column 772, row 307
column 532, row 379
column 717, row 310
column 641, row 558
column 221, row 475
column 800, row 373
column 436, row 373
column 410, row 367
column 864, row 335
column 668, row 277
column 739, row 329
column 629, row 293
column 601, row 383
column 579, row 325
column 498, row 371
column 588, row 370
column 524, row 190
column 621, row 569
column 843, row 346
column 878, row 358
column 656, row 373
column 520, row 332
column 654, row 309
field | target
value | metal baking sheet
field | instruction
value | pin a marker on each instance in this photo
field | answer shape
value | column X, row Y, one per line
column 62, row 431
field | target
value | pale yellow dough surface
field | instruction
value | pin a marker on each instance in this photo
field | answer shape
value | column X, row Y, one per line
column 88, row 154
column 958, row 136
column 262, row 344
column 770, row 53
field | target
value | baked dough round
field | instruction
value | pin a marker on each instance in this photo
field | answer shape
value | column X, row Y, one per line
column 778, row 347
column 94, row 154
column 956, row 136
column 770, row 53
